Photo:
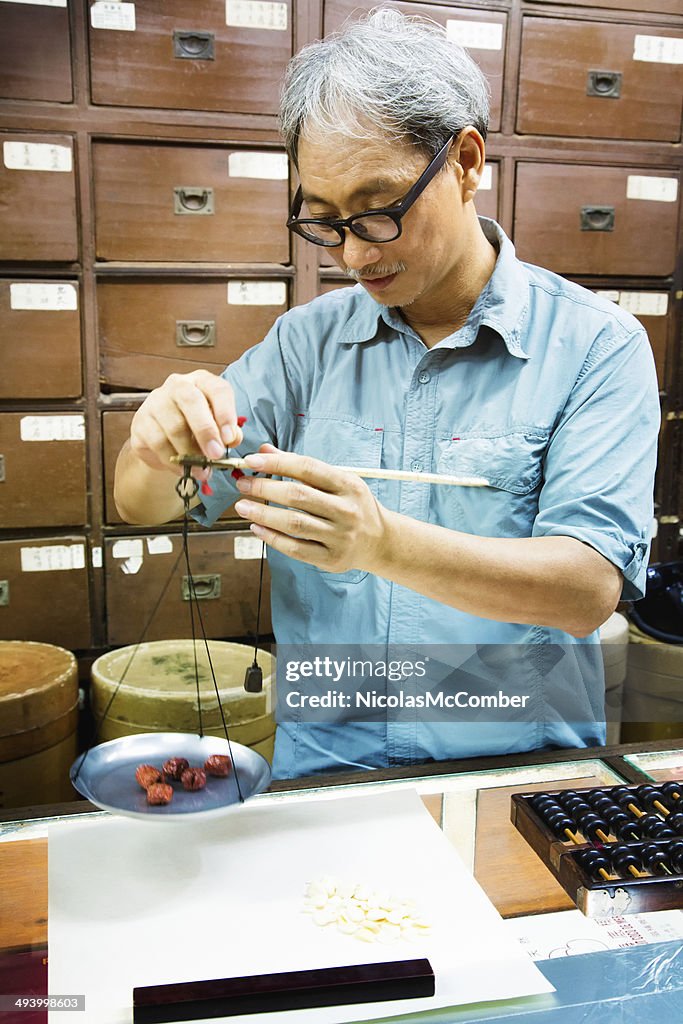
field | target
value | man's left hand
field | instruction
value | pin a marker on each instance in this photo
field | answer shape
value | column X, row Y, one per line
column 328, row 518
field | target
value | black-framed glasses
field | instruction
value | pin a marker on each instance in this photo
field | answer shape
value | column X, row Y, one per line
column 373, row 225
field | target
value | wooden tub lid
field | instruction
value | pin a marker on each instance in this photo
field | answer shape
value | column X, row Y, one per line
column 38, row 684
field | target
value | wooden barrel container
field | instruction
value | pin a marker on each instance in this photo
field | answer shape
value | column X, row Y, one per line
column 653, row 693
column 158, row 692
column 38, row 723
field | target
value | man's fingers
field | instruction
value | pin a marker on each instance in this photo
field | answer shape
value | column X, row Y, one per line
column 314, row 472
column 221, row 399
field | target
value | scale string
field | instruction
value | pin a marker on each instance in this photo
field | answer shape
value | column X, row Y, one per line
column 136, row 647
column 200, row 617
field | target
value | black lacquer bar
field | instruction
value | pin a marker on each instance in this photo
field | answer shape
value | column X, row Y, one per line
column 291, row 990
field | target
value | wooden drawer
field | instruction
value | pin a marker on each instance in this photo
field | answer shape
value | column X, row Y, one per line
column 331, row 285
column 579, row 219
column 37, row 198
column 649, row 6
column 656, row 312
column 35, row 53
column 42, row 470
column 481, row 32
column 190, row 203
column 581, row 78
column 30, row 313
column 138, row 568
column 149, row 330
column 207, row 55
column 115, row 432
column 44, row 591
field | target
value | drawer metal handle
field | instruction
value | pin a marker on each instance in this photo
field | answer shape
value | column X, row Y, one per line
column 597, row 218
column 195, row 333
column 193, row 45
column 206, row 588
column 192, row 199
column 2, row 469
column 606, row 84
column 4, row 593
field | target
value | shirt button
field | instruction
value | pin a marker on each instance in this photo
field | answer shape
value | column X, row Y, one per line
column 424, row 377
column 416, row 466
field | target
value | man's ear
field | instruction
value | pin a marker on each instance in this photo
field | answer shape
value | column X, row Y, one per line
column 468, row 156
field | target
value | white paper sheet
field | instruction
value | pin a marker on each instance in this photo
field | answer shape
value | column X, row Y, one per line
column 569, row 933
column 132, row 904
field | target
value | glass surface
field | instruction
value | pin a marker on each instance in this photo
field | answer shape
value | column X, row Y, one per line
column 660, row 766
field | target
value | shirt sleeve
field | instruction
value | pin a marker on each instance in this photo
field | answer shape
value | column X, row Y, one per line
column 262, row 394
column 600, row 463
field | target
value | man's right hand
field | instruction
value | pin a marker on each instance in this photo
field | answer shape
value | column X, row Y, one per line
column 190, row 413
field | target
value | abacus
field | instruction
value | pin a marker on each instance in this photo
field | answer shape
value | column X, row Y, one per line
column 615, row 851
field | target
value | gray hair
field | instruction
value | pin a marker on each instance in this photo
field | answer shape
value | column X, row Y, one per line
column 387, row 74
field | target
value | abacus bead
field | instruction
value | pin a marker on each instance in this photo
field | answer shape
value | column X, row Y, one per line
column 661, row 831
column 592, row 828
column 647, row 796
column 592, row 860
column 624, row 857
column 628, row 832
column 653, row 857
column 648, row 822
column 672, row 790
column 543, row 802
column 675, row 821
column 676, row 857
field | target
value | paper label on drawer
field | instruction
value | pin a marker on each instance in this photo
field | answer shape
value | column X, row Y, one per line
column 161, row 545
column 53, row 558
column 112, row 14
column 131, row 565
column 658, row 49
column 257, row 293
column 611, row 295
column 37, row 3
column 255, row 14
column 475, row 35
column 53, row 296
column 248, row 547
column 96, row 557
column 661, row 190
column 127, row 548
column 486, row 182
column 52, row 428
column 36, row 156
column 645, row 303
column 258, row 165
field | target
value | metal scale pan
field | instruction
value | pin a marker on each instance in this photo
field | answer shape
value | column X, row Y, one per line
column 107, row 775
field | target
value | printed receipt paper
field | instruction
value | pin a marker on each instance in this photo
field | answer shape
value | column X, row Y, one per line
column 132, row 903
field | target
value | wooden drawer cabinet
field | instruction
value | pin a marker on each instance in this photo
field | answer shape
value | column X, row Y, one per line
column 206, row 55
column 482, row 32
column 35, row 53
column 148, row 330
column 185, row 204
column 115, row 432
column 582, row 78
column 648, row 6
column 226, row 579
column 44, row 591
column 587, row 219
column 42, row 470
column 37, row 197
column 41, row 339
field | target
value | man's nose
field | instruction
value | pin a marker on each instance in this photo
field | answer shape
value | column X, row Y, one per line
column 358, row 253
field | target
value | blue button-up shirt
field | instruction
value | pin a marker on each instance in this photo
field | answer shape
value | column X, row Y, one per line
column 548, row 391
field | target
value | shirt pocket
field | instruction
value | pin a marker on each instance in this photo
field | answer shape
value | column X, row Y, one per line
column 341, row 441
column 510, row 462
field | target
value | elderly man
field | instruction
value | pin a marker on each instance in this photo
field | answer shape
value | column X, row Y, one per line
column 448, row 356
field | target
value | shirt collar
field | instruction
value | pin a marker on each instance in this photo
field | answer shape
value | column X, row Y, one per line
column 502, row 304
